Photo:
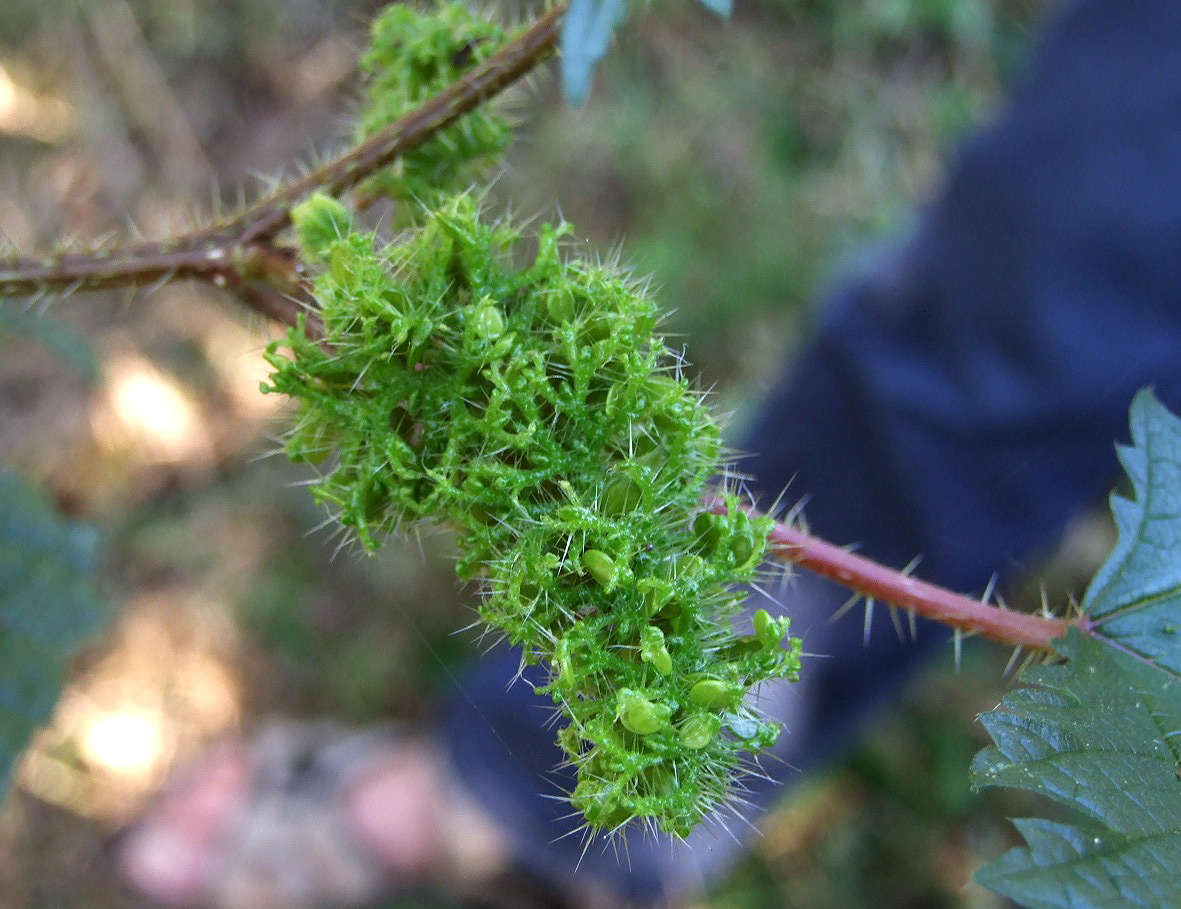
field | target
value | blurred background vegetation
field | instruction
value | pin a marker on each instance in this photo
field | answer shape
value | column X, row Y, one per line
column 744, row 164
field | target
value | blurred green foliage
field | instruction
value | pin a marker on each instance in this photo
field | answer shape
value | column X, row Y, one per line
column 49, row 606
column 180, row 29
column 741, row 162
column 70, row 348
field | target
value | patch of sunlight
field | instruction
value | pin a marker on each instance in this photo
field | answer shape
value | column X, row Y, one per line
column 24, row 113
column 126, row 741
column 163, row 688
column 143, row 410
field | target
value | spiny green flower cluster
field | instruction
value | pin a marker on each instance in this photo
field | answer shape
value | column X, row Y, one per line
column 534, row 410
column 412, row 57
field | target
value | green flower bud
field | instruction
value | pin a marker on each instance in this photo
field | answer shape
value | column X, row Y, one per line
column 663, row 388
column 699, row 730
column 654, row 651
column 769, row 631
column 622, row 495
column 638, row 714
column 344, row 264
column 319, row 222
column 745, row 727
column 596, row 327
column 742, row 547
column 656, row 594
column 559, row 305
column 707, row 528
column 564, row 662
column 570, row 741
column 762, row 623
column 601, row 567
column 486, row 321
column 714, row 693
column 690, row 568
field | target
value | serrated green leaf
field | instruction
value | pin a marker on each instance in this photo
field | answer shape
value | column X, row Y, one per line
column 48, row 606
column 586, row 31
column 1135, row 598
column 1100, row 735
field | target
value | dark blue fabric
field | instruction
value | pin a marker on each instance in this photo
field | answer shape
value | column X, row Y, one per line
column 960, row 402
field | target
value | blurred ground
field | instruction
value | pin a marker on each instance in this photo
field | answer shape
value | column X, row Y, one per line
column 741, row 163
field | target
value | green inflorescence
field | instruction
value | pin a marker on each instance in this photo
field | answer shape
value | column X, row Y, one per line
column 534, row 409
column 413, row 56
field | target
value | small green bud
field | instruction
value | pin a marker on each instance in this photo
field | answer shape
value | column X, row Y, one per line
column 559, row 305
column 621, row 496
column 563, row 661
column 656, row 594
column 601, row 567
column 421, row 333
column 707, row 528
column 663, row 388
column 597, row 327
column 672, row 611
column 319, row 222
column 699, row 730
column 742, row 547
column 762, row 623
column 486, row 321
column 570, row 740
column 638, row 714
column 690, row 568
column 769, row 631
column 344, row 264
column 714, row 693
column 643, row 442
column 654, row 651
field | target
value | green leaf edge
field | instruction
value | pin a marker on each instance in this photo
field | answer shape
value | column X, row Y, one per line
column 33, row 661
column 1026, row 873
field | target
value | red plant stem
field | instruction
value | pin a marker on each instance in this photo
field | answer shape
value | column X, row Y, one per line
column 881, row 583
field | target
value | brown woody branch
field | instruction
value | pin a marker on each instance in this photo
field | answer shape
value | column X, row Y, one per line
column 240, row 253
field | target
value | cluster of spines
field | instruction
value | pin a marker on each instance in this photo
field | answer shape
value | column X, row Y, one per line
column 534, row 409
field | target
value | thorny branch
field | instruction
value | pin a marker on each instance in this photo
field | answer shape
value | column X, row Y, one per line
column 878, row 582
column 241, row 253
